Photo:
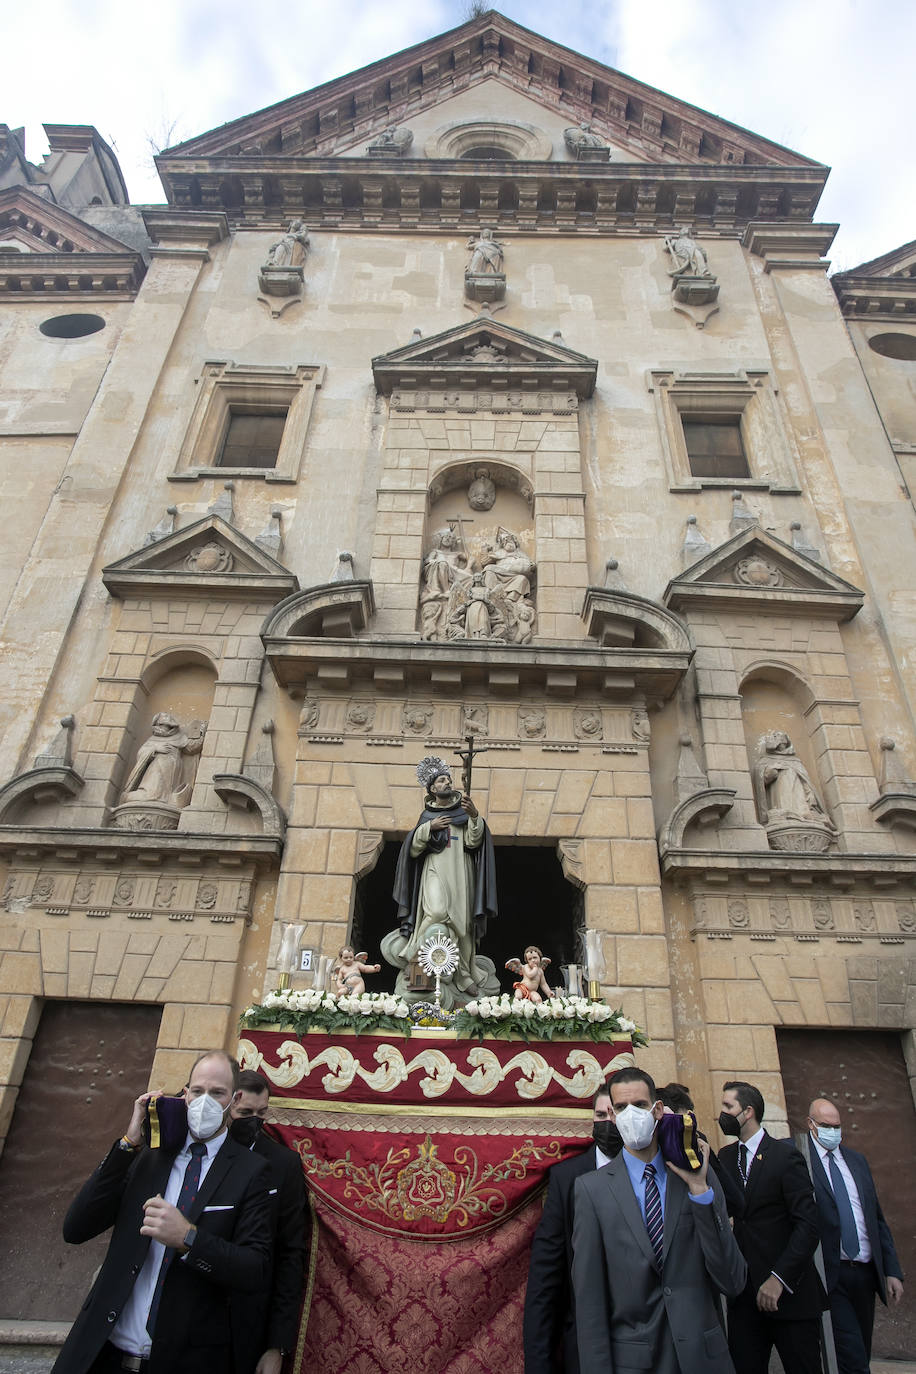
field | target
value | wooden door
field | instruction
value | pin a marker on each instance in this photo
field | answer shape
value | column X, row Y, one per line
column 864, row 1073
column 89, row 1062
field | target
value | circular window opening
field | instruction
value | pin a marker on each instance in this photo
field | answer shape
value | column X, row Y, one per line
column 895, row 346
column 487, row 153
column 72, row 326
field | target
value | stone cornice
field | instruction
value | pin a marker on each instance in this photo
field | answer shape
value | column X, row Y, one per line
column 753, row 869
column 186, row 228
column 563, row 670
column 184, row 847
column 114, row 276
column 363, row 103
column 789, row 245
column 875, row 298
column 391, row 194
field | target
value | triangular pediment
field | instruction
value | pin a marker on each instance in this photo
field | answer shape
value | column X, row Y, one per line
column 484, row 350
column 756, row 570
column 330, row 120
column 900, row 262
column 28, row 220
column 208, row 558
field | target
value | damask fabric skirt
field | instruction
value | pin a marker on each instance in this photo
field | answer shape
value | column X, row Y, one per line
column 426, row 1163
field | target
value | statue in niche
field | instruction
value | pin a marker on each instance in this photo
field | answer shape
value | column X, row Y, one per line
column 475, row 612
column 787, row 802
column 157, row 775
column 445, row 885
column 486, row 254
column 487, row 598
column 291, row 250
column 444, row 568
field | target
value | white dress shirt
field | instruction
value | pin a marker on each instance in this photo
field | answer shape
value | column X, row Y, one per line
column 601, row 1157
column 129, row 1332
column 864, row 1254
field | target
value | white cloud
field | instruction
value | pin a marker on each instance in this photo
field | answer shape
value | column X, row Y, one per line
column 829, row 78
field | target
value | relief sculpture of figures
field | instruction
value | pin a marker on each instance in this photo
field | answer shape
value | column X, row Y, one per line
column 445, row 886
column 787, row 802
column 444, row 569
column 157, row 775
column 486, row 598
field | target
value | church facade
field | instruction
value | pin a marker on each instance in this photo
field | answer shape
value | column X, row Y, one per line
column 483, row 392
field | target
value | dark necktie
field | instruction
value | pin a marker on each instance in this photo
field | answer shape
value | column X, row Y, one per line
column 849, row 1236
column 655, row 1224
column 744, row 1162
column 189, row 1186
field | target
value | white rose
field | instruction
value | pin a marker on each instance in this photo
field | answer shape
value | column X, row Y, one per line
column 471, row 1008
column 543, row 1011
column 528, row 1009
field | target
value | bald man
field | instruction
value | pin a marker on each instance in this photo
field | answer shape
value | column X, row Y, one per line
column 859, row 1255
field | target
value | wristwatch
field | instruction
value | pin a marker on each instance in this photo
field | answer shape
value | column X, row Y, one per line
column 189, row 1237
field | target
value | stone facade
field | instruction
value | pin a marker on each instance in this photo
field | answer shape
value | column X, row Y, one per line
column 677, row 618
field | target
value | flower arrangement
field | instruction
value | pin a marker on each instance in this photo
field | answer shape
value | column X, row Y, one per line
column 573, row 1018
column 312, row 1009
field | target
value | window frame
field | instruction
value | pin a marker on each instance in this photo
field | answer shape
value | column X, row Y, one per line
column 747, row 396
column 226, row 388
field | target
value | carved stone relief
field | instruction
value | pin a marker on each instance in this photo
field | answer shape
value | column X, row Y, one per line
column 360, row 716
column 209, row 558
column 864, row 915
column 532, row 722
column 308, row 716
column 416, row 720
column 640, row 727
column 482, row 491
column 587, row 723
column 906, row 916
column 585, row 144
column 822, row 914
column 738, row 914
column 484, row 596
column 475, row 720
column 780, row 914
column 758, row 572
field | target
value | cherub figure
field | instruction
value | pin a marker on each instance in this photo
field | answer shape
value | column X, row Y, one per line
column 348, row 972
column 531, row 975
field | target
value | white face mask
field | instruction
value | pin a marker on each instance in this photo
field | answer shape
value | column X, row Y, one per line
column 205, row 1116
column 636, row 1126
column 829, row 1136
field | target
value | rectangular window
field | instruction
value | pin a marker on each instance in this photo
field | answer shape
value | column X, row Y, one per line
column 252, row 439
column 714, row 447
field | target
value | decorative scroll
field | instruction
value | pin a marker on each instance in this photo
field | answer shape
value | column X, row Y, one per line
column 362, row 1069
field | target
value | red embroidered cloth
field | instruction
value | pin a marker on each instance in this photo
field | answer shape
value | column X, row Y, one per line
column 425, row 1160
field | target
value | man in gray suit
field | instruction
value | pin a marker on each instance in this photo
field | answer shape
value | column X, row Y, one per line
column 652, row 1250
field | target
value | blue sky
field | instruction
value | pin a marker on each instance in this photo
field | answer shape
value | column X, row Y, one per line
column 830, row 78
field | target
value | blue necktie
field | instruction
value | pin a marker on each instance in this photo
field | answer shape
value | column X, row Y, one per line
column 849, row 1236
column 189, row 1186
column 655, row 1224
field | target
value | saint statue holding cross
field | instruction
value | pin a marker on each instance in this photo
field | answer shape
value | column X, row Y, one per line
column 445, row 883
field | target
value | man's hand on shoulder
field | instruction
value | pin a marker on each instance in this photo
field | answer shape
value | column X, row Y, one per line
column 164, row 1223
column 894, row 1290
column 695, row 1179
column 134, row 1132
column 769, row 1293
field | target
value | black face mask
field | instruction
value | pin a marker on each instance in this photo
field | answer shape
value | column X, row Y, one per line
column 245, row 1130
column 607, row 1137
column 728, row 1124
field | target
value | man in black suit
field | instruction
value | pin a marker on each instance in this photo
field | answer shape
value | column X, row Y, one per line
column 190, row 1227
column 550, row 1319
column 859, row 1255
column 777, row 1233
column 264, row 1326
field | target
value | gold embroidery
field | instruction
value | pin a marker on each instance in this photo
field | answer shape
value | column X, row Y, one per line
column 413, row 1182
